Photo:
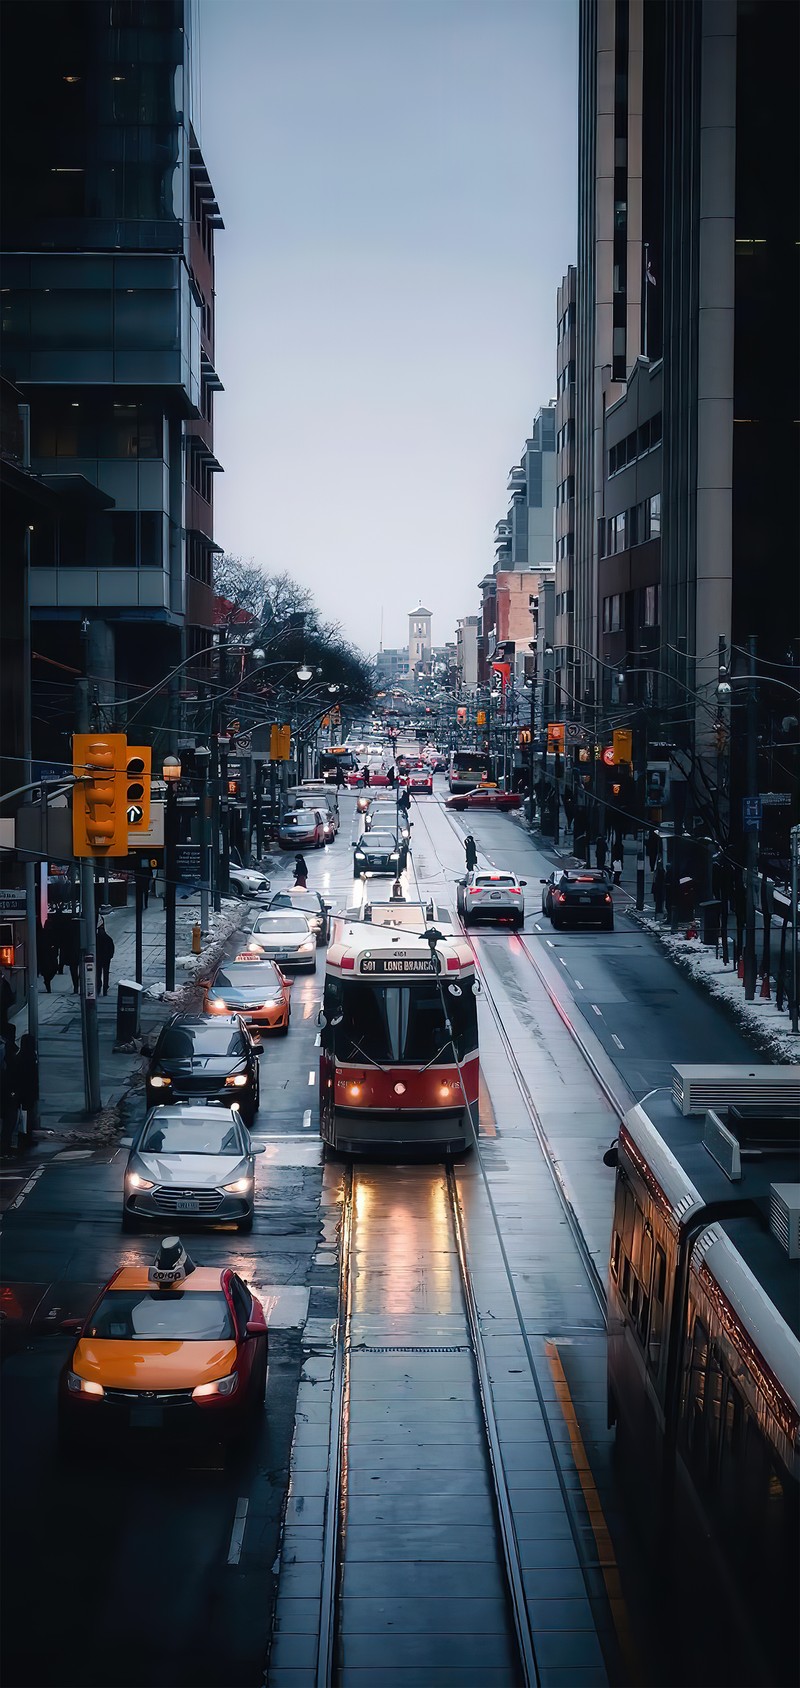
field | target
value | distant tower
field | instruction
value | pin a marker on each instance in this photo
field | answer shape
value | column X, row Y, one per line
column 419, row 640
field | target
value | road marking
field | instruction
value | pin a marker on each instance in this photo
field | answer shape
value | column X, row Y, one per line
column 597, row 1010
column 615, row 1039
column 536, row 926
column 26, row 1188
column 563, row 962
column 549, row 943
column 578, row 983
column 237, row 1533
column 317, row 1040
column 312, row 1077
column 306, row 1119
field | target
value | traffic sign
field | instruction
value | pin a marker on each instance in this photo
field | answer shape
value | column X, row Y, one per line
column 751, row 813
column 776, row 799
column 188, row 860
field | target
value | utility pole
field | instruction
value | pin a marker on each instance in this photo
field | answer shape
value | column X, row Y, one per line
column 794, row 845
column 750, row 966
column 215, row 859
column 170, row 840
column 88, row 970
column 30, row 867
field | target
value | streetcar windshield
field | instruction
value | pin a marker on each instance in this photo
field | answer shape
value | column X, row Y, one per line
column 387, row 1023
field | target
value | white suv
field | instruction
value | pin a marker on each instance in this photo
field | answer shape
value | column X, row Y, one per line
column 489, row 894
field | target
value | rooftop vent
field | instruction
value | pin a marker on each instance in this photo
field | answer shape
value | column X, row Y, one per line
column 784, row 1217
column 695, row 1090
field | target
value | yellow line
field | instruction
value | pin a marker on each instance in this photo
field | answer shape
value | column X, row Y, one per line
column 605, row 1547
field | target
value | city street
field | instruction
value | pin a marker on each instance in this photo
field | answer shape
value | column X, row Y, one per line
column 169, row 1568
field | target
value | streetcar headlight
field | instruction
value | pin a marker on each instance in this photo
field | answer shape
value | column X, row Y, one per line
column 355, row 1090
column 445, row 1088
column 399, row 1090
column 159, row 1081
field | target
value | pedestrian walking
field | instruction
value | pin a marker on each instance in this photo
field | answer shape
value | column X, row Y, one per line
column 59, row 925
column 25, row 1080
column 390, row 774
column 365, row 775
column 404, row 801
column 616, row 868
column 105, row 952
column 471, row 852
column 340, row 779
column 600, row 853
column 653, row 849
column 668, row 885
column 71, row 950
column 659, row 888
column 300, row 872
column 47, row 952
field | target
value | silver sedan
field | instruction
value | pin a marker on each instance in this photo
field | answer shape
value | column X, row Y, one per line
column 191, row 1163
column 285, row 936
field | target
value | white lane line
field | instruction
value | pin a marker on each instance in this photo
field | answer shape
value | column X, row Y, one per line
column 26, row 1188
column 306, row 1119
column 578, row 983
column 312, row 1077
column 615, row 1039
column 237, row 1533
column 317, row 1040
column 549, row 943
column 597, row 1010
column 563, row 962
column 536, row 926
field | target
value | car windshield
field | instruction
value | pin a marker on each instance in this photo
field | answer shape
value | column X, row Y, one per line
column 237, row 976
column 494, row 881
column 162, row 1315
column 308, row 902
column 381, row 840
column 583, row 879
column 296, row 923
column 199, row 1136
column 399, row 1022
column 184, row 1043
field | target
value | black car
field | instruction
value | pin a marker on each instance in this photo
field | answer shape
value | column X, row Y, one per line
column 578, row 897
column 379, row 852
column 197, row 1059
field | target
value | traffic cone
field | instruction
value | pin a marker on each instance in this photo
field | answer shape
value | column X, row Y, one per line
column 740, row 968
column 765, row 990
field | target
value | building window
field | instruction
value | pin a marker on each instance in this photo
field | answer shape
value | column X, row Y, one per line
column 612, row 613
column 652, row 596
column 655, row 515
column 620, row 526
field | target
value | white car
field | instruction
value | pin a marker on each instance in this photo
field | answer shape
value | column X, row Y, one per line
column 247, row 882
column 491, row 894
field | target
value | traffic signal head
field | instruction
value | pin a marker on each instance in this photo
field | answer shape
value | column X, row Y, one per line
column 233, row 788
column 137, row 787
column 609, row 756
column 99, row 822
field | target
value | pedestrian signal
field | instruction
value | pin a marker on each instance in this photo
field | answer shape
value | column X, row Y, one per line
column 480, row 718
column 623, row 744
column 555, row 735
column 99, row 822
column 233, row 788
column 137, row 788
column 280, row 743
column 7, row 951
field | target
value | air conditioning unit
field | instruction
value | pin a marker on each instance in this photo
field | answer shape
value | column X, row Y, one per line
column 695, row 1090
column 784, row 1217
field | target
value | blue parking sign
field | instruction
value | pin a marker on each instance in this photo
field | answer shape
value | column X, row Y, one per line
column 751, row 813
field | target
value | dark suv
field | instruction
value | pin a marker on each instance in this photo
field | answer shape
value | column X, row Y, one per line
column 202, row 1060
column 578, row 897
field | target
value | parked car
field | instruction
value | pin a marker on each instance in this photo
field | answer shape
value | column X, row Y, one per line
column 247, row 882
column 199, row 1060
column 578, row 897
column 253, row 986
column 309, row 903
column 285, row 936
column 491, row 895
column 191, row 1162
column 302, row 829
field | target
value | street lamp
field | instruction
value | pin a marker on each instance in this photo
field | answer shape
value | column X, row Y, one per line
column 202, row 757
column 304, row 672
column 171, row 770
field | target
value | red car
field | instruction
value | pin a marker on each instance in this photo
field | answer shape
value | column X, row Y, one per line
column 419, row 779
column 484, row 797
column 172, row 1348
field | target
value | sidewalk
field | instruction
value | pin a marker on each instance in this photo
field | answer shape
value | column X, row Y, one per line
column 760, row 1019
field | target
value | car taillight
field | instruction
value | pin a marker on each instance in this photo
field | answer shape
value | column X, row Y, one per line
column 475, row 890
column 514, row 891
column 608, row 896
column 562, row 896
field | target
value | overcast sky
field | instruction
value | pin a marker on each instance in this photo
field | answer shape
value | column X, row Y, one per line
column 398, row 184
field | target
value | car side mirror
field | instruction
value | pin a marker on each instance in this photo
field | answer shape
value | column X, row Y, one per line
column 611, row 1156
column 321, row 1020
column 544, row 881
column 72, row 1325
column 258, row 1148
column 523, row 882
column 259, row 1048
column 254, row 1327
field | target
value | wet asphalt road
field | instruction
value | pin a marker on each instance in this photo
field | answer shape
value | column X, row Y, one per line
column 117, row 1572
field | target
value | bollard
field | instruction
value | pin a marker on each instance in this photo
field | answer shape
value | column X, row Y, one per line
column 740, row 967
column 196, row 940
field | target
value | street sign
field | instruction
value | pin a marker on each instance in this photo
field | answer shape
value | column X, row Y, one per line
column 776, row 799
column 188, row 860
column 12, row 902
column 751, row 813
column 243, row 741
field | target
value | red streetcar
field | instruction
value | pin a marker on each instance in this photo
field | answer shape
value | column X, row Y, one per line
column 399, row 1065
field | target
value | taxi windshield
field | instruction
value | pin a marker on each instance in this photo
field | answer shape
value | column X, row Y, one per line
column 247, row 975
column 161, row 1315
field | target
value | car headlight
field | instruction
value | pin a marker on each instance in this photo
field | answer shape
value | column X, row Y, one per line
column 237, row 1079
column 222, row 1386
column 395, row 856
column 240, row 1186
column 79, row 1386
column 360, row 857
column 159, row 1081
column 308, row 943
column 135, row 1181
column 217, row 1005
column 274, row 1002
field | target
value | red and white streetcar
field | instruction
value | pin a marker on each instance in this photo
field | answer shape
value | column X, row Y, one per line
column 399, row 1066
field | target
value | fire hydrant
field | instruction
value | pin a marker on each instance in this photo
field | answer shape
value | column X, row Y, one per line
column 196, row 940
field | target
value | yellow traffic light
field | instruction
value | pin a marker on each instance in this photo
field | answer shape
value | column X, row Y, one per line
column 99, row 822
column 137, row 788
column 280, row 743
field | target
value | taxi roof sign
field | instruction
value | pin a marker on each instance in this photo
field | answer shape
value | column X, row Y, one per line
column 172, row 1264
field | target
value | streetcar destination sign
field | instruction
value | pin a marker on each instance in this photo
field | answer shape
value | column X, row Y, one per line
column 397, row 964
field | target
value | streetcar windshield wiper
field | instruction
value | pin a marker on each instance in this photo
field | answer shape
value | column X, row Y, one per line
column 370, row 1059
column 439, row 1054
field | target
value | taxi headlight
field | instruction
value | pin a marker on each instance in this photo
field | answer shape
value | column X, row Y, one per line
column 135, row 1181
column 79, row 1386
column 217, row 1005
column 222, row 1386
column 238, row 1079
column 239, row 1187
column 158, row 1081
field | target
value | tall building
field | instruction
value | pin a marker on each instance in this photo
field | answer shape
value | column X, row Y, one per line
column 565, row 669
column 108, row 329
column 525, row 538
column 391, row 666
column 467, row 652
column 419, row 641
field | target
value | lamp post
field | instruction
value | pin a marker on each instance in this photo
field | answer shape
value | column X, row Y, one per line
column 202, row 756
column 171, row 771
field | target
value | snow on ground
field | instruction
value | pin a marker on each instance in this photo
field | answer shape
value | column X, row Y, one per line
column 760, row 1018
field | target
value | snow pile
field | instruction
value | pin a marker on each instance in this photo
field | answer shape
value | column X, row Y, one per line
column 220, row 928
column 760, row 1019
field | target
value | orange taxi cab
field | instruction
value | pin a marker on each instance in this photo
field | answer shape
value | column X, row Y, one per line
column 254, row 987
column 174, row 1348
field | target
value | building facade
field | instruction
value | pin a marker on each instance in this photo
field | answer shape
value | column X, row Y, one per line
column 391, row 666
column 564, row 625
column 108, row 320
column 419, row 642
column 467, row 652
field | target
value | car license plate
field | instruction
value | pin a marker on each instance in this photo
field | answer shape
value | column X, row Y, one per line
column 187, row 1207
column 496, row 896
column 146, row 1416
column 584, row 899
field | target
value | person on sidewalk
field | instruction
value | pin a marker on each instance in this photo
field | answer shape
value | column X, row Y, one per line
column 25, row 1078
column 105, row 952
column 668, row 892
column 47, row 952
column 71, row 950
column 300, row 872
column 471, row 852
column 658, row 888
column 616, row 868
column 600, row 853
column 653, row 849
column 6, row 1000
column 340, row 779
